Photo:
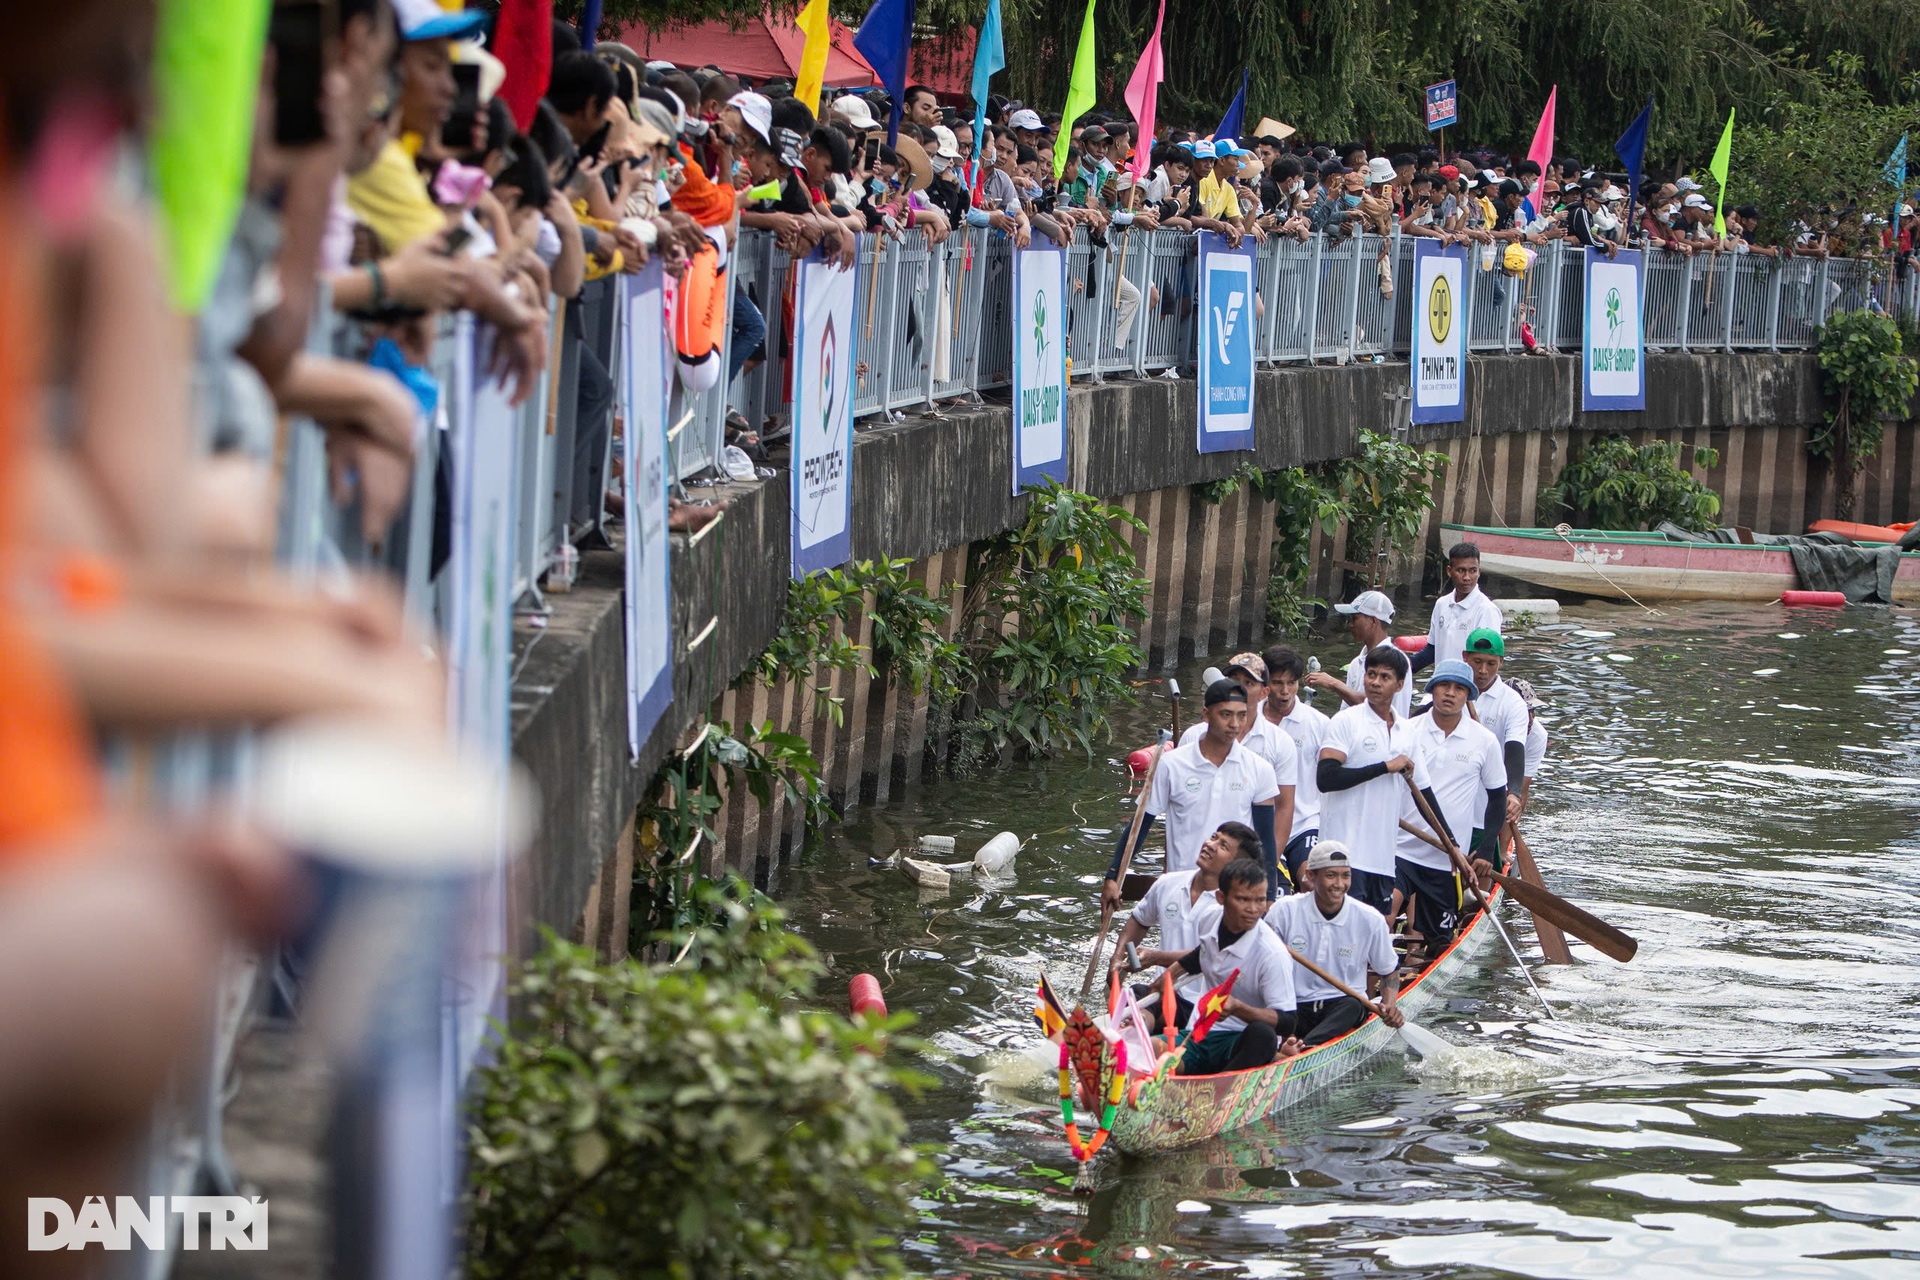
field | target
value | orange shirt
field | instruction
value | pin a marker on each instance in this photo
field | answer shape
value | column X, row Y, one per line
column 699, row 197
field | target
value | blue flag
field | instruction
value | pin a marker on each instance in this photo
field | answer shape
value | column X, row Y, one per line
column 1232, row 122
column 1896, row 170
column 1632, row 150
column 989, row 56
column 883, row 39
column 589, row 24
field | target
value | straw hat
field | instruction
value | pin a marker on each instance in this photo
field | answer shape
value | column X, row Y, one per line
column 1271, row 128
column 914, row 156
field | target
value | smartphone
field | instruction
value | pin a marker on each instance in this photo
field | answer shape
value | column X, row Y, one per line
column 596, row 142
column 873, row 152
column 299, row 32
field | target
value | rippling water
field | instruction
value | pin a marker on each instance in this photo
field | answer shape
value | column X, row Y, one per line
column 1734, row 786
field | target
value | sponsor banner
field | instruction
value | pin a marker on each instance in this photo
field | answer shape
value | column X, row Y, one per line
column 1613, row 364
column 1439, row 367
column 1443, row 105
column 823, row 364
column 1227, row 322
column 1039, row 366
column 649, row 563
column 486, row 453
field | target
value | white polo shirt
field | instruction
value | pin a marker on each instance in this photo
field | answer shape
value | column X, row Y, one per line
column 1266, row 740
column 1347, row 946
column 1195, row 797
column 1357, row 681
column 1266, row 970
column 1536, row 752
column 1464, row 766
column 1306, row 728
column 1455, row 619
column 1170, row 907
column 1503, row 712
column 1367, row 817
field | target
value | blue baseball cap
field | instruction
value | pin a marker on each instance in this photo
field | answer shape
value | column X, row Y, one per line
column 1228, row 147
column 1457, row 671
column 1203, row 150
column 425, row 20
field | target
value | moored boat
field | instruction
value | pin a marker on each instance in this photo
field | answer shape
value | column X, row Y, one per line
column 1627, row 564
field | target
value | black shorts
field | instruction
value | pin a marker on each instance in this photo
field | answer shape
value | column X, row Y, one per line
column 1437, row 900
column 1373, row 889
column 1296, row 855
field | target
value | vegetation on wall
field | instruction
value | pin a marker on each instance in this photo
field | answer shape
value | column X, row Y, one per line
column 1609, row 484
column 1869, row 379
column 691, row 1119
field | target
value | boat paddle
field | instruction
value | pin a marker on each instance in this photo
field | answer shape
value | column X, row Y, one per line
column 1126, row 860
column 1419, row 1039
column 1553, row 943
column 1538, row 899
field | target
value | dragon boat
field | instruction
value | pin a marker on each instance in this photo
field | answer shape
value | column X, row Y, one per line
column 1161, row 1110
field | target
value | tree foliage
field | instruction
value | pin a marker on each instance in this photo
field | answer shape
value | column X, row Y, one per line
column 1869, row 379
column 1609, row 484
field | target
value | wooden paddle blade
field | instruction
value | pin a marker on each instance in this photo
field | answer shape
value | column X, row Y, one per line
column 1553, row 943
column 1589, row 928
column 1135, row 886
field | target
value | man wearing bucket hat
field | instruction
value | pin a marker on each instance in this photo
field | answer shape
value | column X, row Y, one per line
column 1470, row 785
column 1370, row 615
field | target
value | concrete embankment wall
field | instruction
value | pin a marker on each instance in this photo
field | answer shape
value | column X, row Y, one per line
column 926, row 488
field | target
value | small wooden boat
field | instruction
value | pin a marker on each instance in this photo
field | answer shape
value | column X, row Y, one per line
column 1619, row 564
column 1162, row 1113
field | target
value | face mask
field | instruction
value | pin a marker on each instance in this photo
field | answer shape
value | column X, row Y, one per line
column 876, row 186
column 1351, row 201
column 941, row 164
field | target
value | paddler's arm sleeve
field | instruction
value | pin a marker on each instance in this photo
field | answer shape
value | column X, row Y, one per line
column 1491, row 825
column 1337, row 775
column 1421, row 660
column 1120, row 849
column 1269, row 848
column 1190, row 961
column 1514, row 754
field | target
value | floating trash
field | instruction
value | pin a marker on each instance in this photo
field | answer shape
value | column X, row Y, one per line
column 1768, row 671
column 1619, row 657
column 1594, row 635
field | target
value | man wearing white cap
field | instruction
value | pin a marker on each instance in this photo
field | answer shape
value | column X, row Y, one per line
column 1470, row 783
column 852, row 110
column 1370, row 616
column 1341, row 935
column 1027, row 126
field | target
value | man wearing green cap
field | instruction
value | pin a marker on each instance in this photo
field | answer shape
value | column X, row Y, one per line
column 1499, row 708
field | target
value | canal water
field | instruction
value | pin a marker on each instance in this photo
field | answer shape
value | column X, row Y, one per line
column 1733, row 785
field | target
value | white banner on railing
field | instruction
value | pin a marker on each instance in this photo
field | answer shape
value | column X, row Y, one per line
column 486, row 452
column 1613, row 357
column 823, row 376
column 1227, row 325
column 1039, row 366
column 649, row 560
column 1439, row 364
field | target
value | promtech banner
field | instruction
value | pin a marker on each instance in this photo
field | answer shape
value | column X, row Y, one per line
column 1439, row 332
column 823, row 363
column 1039, row 366
column 1227, row 322
column 649, row 569
column 1613, row 368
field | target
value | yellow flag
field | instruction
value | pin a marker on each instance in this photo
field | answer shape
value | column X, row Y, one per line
column 813, row 59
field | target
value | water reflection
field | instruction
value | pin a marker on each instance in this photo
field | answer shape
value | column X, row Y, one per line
column 1740, row 1100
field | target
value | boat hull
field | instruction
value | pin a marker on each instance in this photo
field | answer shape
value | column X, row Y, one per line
column 1648, row 568
column 1179, row 1111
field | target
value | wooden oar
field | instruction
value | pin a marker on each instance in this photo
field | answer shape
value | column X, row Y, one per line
column 1419, row 1039
column 1553, row 943
column 1465, row 874
column 1583, row 925
column 1126, row 860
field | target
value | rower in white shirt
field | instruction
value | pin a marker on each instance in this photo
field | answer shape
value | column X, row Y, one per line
column 1267, row 740
column 1307, row 727
column 1371, row 616
column 1500, row 709
column 1181, row 903
column 1362, row 795
column 1343, row 936
column 1460, row 612
column 1536, row 738
column 1211, row 780
column 1470, row 795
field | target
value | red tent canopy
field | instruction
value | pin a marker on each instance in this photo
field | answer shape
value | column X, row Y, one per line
column 945, row 63
column 765, row 48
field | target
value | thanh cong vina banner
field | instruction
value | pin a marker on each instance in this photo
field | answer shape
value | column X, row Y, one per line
column 1613, row 365
column 1227, row 324
column 823, row 373
column 649, row 567
column 1439, row 332
column 1039, row 366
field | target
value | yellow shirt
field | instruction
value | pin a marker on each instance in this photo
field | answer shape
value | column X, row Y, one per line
column 391, row 197
column 1218, row 198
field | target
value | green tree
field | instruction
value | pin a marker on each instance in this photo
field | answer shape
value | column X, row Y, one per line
column 1869, row 380
column 1609, row 484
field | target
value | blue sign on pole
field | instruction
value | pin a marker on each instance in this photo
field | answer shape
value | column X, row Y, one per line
column 1227, row 321
column 1443, row 105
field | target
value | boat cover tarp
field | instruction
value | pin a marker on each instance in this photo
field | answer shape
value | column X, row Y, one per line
column 1822, row 561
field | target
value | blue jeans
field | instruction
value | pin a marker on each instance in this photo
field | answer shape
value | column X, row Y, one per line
column 749, row 333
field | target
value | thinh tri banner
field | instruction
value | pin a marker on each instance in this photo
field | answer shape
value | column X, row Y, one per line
column 1613, row 357
column 1039, row 366
column 823, row 374
column 1439, row 332
column 649, row 565
column 1227, row 324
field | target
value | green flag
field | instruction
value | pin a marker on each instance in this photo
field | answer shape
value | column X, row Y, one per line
column 1080, row 93
column 205, row 74
column 1722, row 156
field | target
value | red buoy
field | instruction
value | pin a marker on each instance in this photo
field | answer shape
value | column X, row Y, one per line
column 1409, row 644
column 1140, row 761
column 1823, row 599
column 863, row 995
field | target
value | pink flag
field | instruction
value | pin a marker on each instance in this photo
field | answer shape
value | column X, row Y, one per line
column 1143, row 93
column 1541, row 152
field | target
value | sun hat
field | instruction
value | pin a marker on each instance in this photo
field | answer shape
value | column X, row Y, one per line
column 1379, row 169
column 1374, row 604
column 1486, row 640
column 915, row 158
column 1457, row 671
column 1328, row 853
